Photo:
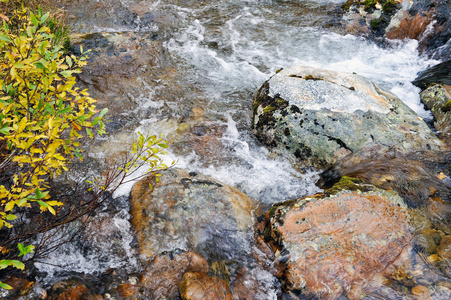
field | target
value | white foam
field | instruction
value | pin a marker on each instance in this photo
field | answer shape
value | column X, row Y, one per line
column 95, row 259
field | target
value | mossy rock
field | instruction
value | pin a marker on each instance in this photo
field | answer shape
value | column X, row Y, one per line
column 318, row 117
column 348, row 183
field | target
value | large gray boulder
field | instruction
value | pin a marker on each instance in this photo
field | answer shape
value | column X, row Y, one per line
column 321, row 116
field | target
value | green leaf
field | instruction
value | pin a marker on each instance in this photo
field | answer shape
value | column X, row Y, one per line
column 96, row 120
column 5, row 130
column 44, row 17
column 40, row 195
column 103, row 112
column 4, row 285
column 25, row 250
column 65, row 110
column 5, row 38
column 21, row 247
column 17, row 264
column 66, row 73
column 11, row 217
column 22, row 202
column 49, row 109
column 4, row 263
column 33, row 19
column 19, row 65
column 69, row 61
column 39, row 65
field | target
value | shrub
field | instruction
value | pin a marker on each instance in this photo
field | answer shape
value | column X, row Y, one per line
column 43, row 115
column 42, row 119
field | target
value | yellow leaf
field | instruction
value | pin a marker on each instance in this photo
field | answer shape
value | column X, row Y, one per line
column 441, row 176
column 54, row 203
column 22, row 124
column 51, row 210
column 59, row 156
column 13, row 72
column 10, row 205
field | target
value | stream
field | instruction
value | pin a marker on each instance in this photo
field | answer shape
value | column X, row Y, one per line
column 198, row 65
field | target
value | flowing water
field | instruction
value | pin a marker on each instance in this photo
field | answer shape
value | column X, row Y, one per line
column 213, row 56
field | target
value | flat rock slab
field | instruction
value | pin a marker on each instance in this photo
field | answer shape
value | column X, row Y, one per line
column 321, row 116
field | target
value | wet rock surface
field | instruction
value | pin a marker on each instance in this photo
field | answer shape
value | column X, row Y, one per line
column 125, row 15
column 437, row 98
column 440, row 74
column 161, row 278
column 340, row 244
column 123, row 66
column 425, row 21
column 131, row 74
column 72, row 289
column 198, row 286
column 191, row 211
column 321, row 116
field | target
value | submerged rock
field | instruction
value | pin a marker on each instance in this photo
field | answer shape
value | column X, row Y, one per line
column 191, row 211
column 161, row 278
column 444, row 249
column 340, row 244
column 199, row 286
column 321, row 116
column 72, row 289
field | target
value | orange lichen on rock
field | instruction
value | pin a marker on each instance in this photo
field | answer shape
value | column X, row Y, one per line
column 410, row 27
column 337, row 245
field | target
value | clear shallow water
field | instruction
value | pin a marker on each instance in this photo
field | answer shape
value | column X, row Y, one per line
column 221, row 53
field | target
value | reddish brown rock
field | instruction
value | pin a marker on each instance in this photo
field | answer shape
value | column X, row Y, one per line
column 200, row 286
column 339, row 244
column 72, row 289
column 128, row 290
column 165, row 272
column 410, row 27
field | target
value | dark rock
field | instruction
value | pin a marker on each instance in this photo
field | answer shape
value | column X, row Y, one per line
column 437, row 98
column 331, row 118
column 414, row 175
column 440, row 73
column 121, row 68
